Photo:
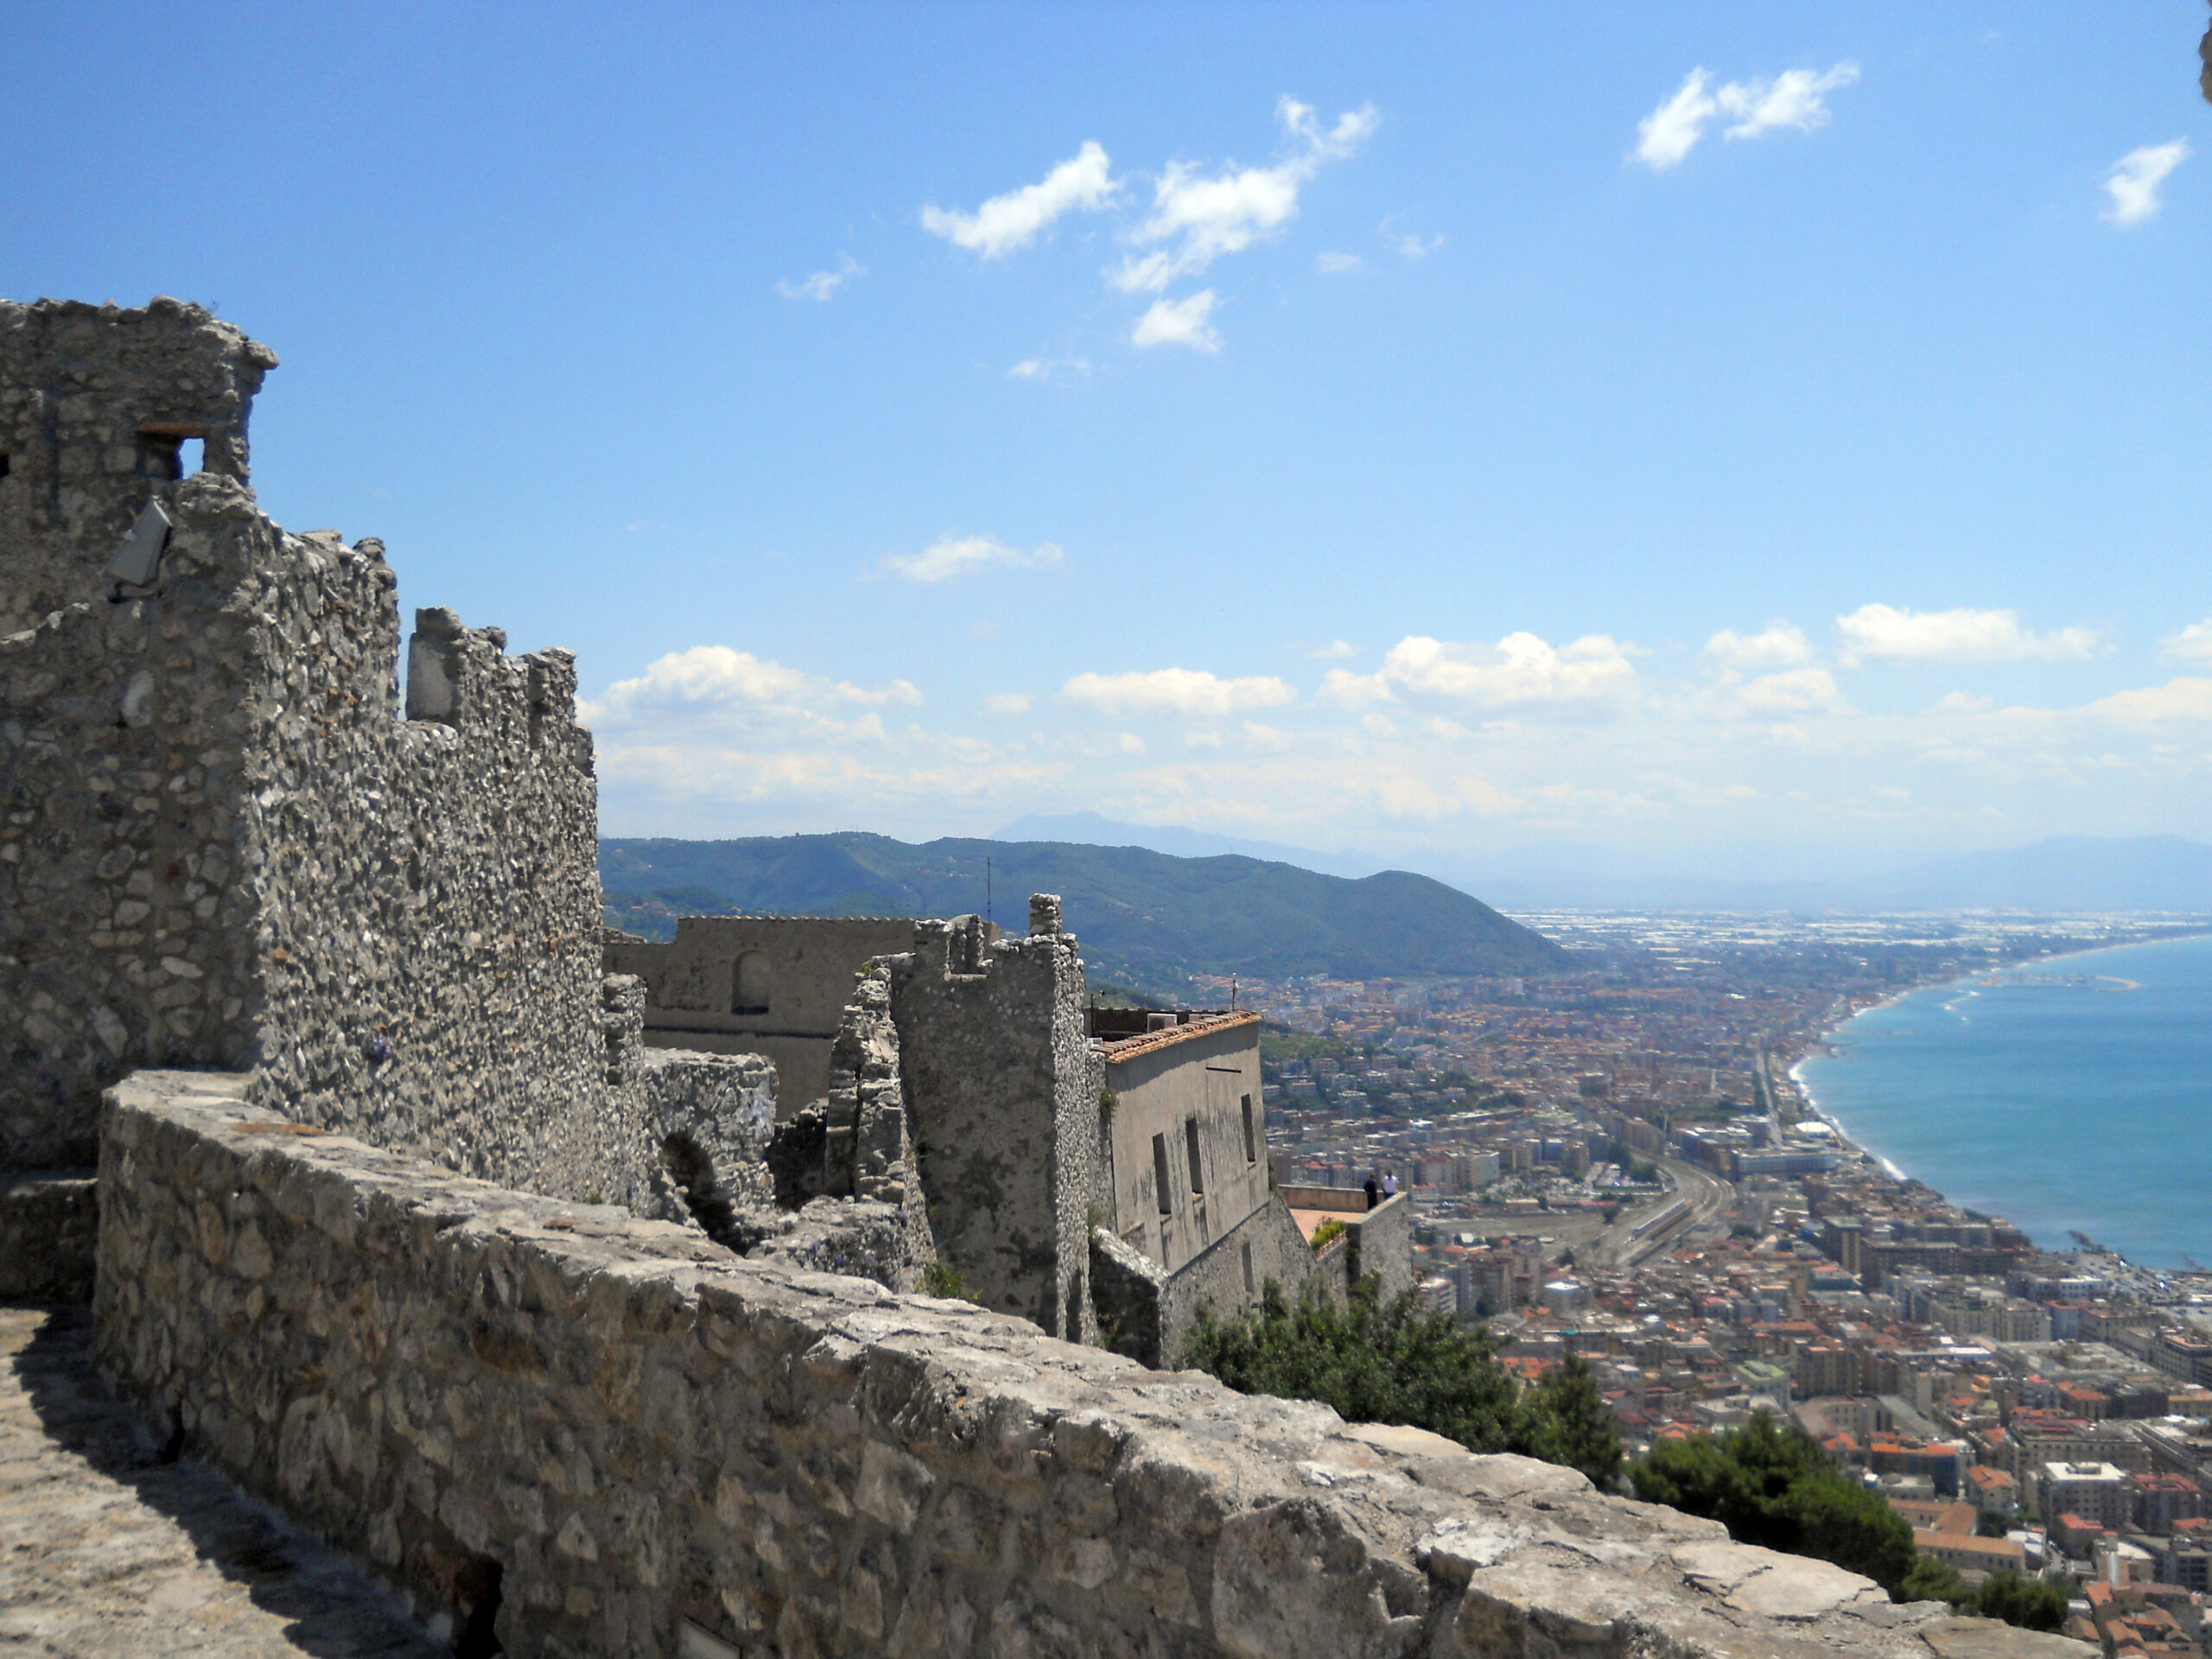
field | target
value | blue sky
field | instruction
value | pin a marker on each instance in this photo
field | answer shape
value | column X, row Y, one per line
column 1731, row 434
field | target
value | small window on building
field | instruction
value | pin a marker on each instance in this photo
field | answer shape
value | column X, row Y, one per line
column 191, row 457
column 1198, row 1170
column 1249, row 1287
column 1160, row 1189
column 748, row 990
column 1251, row 1145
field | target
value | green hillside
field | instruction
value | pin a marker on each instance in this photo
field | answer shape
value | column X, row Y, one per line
column 1149, row 915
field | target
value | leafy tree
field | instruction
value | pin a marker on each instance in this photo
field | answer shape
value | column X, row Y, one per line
column 1772, row 1485
column 2031, row 1604
column 1563, row 1419
column 1931, row 1580
column 1989, row 1524
column 1374, row 1363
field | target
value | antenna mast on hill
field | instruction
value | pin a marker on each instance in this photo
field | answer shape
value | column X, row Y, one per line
column 987, row 916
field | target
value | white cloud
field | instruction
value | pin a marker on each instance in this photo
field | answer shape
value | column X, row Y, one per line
column 1007, row 702
column 1009, row 222
column 1520, row 668
column 1779, row 645
column 1796, row 99
column 1042, row 368
column 1199, row 218
column 1792, row 692
column 959, row 556
column 707, row 680
column 1180, row 322
column 2135, row 178
column 1665, row 137
column 2186, row 698
column 2193, row 643
column 1413, row 247
column 1335, row 648
column 1339, row 264
column 1129, row 743
column 1190, row 692
column 1963, row 635
column 823, row 284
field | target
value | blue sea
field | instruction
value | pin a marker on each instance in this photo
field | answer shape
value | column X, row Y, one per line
column 2070, row 1095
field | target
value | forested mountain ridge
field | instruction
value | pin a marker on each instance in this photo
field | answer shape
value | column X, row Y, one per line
column 1149, row 914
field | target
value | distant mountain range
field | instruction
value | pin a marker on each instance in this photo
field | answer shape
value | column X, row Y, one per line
column 1151, row 916
column 2066, row 872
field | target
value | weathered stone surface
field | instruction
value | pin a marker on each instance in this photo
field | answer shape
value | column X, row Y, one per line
column 639, row 1428
column 48, row 1226
column 106, row 1549
column 1988, row 1639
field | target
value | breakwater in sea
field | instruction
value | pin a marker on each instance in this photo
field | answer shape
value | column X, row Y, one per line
column 2068, row 1096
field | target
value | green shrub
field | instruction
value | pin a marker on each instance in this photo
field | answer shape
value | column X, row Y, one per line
column 1327, row 1233
column 1773, row 1485
column 1397, row 1363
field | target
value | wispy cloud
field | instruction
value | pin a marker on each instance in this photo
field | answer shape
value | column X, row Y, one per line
column 1414, row 246
column 1189, row 692
column 1041, row 369
column 1180, row 322
column 2193, row 643
column 1779, row 645
column 823, row 284
column 1796, row 99
column 2186, row 698
column 1008, row 224
column 1007, row 702
column 1519, row 669
column 959, row 556
column 1339, row 264
column 2135, row 179
column 1963, row 635
column 1197, row 218
column 1334, row 649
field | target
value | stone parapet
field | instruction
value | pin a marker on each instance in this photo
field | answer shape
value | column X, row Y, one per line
column 49, row 1223
column 644, row 1445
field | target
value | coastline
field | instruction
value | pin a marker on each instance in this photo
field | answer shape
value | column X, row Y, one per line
column 1822, row 1042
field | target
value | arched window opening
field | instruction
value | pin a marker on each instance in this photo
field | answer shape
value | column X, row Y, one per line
column 748, row 983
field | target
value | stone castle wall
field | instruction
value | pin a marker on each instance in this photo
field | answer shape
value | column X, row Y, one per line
column 1002, row 1092
column 647, row 1445
column 224, row 845
column 96, row 402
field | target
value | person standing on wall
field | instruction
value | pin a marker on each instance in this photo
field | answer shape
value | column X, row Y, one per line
column 1372, row 1192
column 1390, row 1185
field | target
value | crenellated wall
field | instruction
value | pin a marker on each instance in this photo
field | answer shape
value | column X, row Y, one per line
column 223, row 845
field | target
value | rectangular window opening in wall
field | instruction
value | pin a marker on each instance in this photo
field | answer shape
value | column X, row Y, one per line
column 191, row 457
column 1249, row 1287
column 1251, row 1146
column 3, row 466
column 1162, row 1190
column 1197, row 1170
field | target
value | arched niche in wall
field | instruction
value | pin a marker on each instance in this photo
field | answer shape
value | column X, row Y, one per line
column 748, row 983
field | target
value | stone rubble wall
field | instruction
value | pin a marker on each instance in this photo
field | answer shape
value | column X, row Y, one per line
column 49, row 1225
column 1002, row 1092
column 223, row 847
column 94, row 403
column 646, row 1442
column 128, row 918
column 710, row 1116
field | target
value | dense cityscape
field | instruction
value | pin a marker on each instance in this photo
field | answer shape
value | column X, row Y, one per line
column 1618, row 1164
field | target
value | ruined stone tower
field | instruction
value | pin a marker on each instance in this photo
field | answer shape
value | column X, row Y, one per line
column 225, row 843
